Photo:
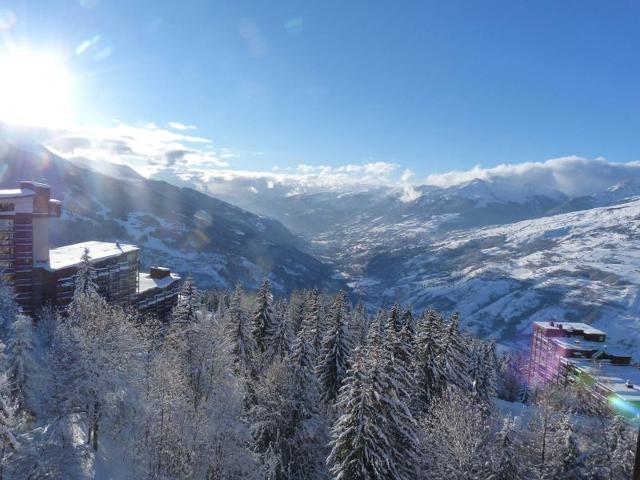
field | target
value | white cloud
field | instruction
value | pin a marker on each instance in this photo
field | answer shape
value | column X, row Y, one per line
column 573, row 175
column 181, row 126
column 177, row 156
column 147, row 148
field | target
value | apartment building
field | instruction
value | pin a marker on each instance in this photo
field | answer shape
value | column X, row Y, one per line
column 41, row 276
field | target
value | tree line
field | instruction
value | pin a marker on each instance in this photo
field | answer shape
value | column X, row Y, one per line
column 239, row 385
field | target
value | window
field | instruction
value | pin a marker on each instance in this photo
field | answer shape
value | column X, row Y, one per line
column 7, row 207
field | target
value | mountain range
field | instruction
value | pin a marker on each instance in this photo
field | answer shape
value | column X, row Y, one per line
column 502, row 253
column 215, row 242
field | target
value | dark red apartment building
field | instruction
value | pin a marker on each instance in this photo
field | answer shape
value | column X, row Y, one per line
column 41, row 275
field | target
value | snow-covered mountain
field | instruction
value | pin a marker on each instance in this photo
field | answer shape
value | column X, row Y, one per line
column 502, row 254
column 580, row 266
column 218, row 243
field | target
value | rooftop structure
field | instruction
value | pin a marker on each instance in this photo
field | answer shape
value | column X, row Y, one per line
column 69, row 255
column 41, row 275
column 566, row 351
column 156, row 290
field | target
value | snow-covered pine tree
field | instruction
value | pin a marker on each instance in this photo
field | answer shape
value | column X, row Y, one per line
column 12, row 423
column 22, row 365
column 86, row 277
column 278, row 345
column 262, row 322
column 185, row 312
column 397, row 351
column 303, row 353
column 243, row 345
column 482, row 370
column 621, row 448
column 8, row 306
column 409, row 320
column 393, row 322
column 297, row 310
column 564, row 461
column 453, row 356
column 398, row 347
column 287, row 431
column 506, row 463
column 360, row 445
column 333, row 361
column 314, row 316
column 100, row 350
column 364, row 442
column 511, row 380
column 456, row 438
column 375, row 334
column 426, row 368
column 359, row 325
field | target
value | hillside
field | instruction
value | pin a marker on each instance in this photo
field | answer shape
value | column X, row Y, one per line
column 217, row 243
column 579, row 266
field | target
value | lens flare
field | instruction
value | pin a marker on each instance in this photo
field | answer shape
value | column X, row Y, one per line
column 624, row 408
column 7, row 18
column 35, row 89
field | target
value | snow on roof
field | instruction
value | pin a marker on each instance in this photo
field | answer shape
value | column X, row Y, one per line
column 69, row 255
column 614, row 377
column 145, row 282
column 16, row 192
column 581, row 345
column 572, row 326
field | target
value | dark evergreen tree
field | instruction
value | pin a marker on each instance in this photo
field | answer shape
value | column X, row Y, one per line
column 565, row 459
column 303, row 353
column 426, row 368
column 359, row 325
column 336, row 348
column 482, row 370
column 85, row 281
column 184, row 314
column 507, row 464
column 453, row 357
column 278, row 345
column 314, row 316
column 409, row 320
column 243, row 344
column 365, row 444
column 288, row 432
column 263, row 325
column 376, row 329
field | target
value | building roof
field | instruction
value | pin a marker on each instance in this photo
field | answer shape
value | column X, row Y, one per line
column 580, row 344
column 70, row 255
column 146, row 283
column 16, row 192
column 572, row 326
column 613, row 377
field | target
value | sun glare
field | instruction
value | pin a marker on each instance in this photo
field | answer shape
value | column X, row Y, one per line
column 35, row 89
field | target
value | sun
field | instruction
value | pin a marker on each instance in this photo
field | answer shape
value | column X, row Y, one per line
column 35, row 89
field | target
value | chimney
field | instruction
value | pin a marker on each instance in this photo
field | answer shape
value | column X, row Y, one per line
column 159, row 272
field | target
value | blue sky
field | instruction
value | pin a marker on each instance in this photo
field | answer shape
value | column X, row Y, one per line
column 431, row 86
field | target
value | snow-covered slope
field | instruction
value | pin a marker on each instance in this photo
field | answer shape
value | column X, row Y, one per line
column 218, row 243
column 579, row 266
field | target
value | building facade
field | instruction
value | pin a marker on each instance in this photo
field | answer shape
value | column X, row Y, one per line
column 41, row 276
column 577, row 352
column 24, row 238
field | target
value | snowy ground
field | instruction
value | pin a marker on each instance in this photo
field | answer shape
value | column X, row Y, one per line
column 580, row 266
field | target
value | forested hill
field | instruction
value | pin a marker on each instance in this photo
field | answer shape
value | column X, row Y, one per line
column 240, row 386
